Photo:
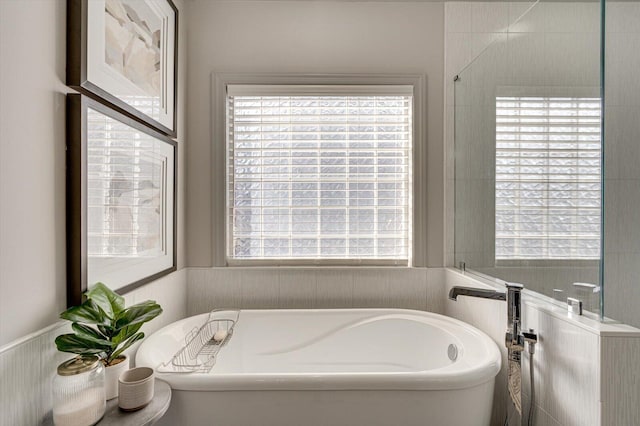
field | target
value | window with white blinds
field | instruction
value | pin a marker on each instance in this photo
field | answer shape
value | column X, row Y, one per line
column 548, row 178
column 319, row 173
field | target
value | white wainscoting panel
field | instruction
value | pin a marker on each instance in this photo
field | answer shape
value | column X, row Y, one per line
column 27, row 366
column 317, row 288
column 26, row 371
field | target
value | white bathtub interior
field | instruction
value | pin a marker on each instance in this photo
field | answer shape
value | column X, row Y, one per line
column 321, row 359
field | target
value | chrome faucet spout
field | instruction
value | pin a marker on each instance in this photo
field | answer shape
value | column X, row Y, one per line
column 476, row 292
column 514, row 339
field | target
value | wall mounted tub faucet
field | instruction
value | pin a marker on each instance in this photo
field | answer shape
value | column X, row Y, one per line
column 514, row 337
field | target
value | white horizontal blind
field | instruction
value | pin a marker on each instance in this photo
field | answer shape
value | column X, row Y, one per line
column 319, row 177
column 548, row 178
column 126, row 187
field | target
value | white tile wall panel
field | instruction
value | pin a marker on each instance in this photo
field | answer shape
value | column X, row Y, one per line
column 565, row 379
column 527, row 59
column 457, row 17
column 622, row 150
column 585, row 373
column 260, row 288
column 571, row 17
column 522, row 16
column 622, row 287
column 436, row 290
column 622, row 85
column 282, row 287
column 408, row 289
column 620, row 385
column 297, row 288
column 570, row 60
column 542, row 418
column 488, row 17
column 334, row 289
column 371, row 288
column 622, row 17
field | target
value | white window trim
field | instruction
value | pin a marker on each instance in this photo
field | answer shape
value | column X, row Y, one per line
column 219, row 82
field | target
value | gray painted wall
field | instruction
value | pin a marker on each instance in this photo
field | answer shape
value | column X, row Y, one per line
column 308, row 37
column 32, row 163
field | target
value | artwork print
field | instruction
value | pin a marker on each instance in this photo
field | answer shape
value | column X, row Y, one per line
column 133, row 37
column 121, row 194
column 123, row 53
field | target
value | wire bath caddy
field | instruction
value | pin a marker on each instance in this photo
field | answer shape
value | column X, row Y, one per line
column 202, row 344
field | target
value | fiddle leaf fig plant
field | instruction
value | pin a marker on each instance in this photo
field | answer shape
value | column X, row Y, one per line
column 102, row 325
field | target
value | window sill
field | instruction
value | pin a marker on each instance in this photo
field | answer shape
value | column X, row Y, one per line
column 319, row 263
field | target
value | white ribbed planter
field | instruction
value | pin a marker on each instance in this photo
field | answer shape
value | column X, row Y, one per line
column 111, row 375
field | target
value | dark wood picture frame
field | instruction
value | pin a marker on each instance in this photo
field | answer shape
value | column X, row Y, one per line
column 77, row 194
column 77, row 67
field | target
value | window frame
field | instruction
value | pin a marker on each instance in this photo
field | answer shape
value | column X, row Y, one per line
column 219, row 132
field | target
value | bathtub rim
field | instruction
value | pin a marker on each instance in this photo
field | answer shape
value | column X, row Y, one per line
column 427, row 380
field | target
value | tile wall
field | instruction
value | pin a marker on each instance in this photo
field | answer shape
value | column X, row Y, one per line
column 493, row 46
column 263, row 288
column 548, row 44
column 620, row 386
column 622, row 156
column 585, row 372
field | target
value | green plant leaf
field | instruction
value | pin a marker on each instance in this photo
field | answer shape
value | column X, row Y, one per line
column 86, row 330
column 78, row 345
column 86, row 313
column 125, row 345
column 88, row 333
column 107, row 330
column 138, row 313
column 117, row 327
column 108, row 300
column 126, row 332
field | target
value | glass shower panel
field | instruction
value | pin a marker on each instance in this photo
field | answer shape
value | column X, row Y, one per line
column 528, row 152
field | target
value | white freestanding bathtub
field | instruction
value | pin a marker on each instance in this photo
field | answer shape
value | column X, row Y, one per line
column 332, row 368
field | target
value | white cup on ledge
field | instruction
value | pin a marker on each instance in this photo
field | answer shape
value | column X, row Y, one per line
column 135, row 388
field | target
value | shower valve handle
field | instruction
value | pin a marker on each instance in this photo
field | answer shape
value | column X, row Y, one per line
column 531, row 337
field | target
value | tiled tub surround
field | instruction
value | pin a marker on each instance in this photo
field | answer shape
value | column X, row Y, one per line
column 577, row 381
column 28, row 365
column 319, row 288
column 574, row 382
column 585, row 372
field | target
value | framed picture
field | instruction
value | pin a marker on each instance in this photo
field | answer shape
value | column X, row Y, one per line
column 121, row 200
column 124, row 52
